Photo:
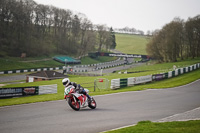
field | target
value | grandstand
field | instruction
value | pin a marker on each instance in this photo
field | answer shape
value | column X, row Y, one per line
column 66, row 60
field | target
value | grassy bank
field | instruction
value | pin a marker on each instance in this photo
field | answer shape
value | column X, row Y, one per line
column 131, row 44
column 167, row 127
column 14, row 63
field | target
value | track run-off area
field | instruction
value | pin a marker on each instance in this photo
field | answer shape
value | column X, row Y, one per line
column 113, row 111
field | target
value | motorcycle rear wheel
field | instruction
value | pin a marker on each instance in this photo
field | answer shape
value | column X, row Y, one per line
column 74, row 105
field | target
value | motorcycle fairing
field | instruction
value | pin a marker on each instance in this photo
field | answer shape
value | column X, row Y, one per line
column 82, row 98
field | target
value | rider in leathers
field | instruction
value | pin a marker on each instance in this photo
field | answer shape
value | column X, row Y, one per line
column 66, row 82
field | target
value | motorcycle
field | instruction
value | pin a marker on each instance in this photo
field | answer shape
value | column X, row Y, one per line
column 76, row 100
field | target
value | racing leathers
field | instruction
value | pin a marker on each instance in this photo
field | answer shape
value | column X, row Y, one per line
column 79, row 89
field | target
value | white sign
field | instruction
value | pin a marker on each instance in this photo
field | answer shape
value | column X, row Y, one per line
column 115, row 83
column 169, row 74
column 143, row 79
column 48, row 89
column 126, row 55
column 30, row 79
column 131, row 81
column 181, row 70
column 176, row 72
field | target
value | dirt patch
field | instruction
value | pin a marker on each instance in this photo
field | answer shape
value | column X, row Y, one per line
column 1, row 85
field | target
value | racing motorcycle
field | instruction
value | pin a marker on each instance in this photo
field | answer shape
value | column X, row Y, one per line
column 76, row 100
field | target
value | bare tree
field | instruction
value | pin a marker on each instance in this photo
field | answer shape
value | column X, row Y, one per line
column 86, row 30
column 101, row 36
column 192, row 28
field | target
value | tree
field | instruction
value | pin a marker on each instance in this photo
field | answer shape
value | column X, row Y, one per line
column 101, row 36
column 177, row 39
column 192, row 28
column 86, row 34
column 36, row 29
column 113, row 40
column 154, row 46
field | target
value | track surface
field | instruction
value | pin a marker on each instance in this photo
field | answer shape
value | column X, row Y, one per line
column 115, row 110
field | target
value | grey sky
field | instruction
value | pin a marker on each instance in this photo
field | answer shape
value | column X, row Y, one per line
column 140, row 14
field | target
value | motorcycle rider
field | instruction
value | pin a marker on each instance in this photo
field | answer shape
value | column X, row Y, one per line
column 79, row 89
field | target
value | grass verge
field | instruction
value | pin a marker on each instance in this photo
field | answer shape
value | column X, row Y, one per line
column 166, row 127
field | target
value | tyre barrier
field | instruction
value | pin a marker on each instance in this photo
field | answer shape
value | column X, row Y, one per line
column 76, row 68
column 119, row 83
column 30, row 70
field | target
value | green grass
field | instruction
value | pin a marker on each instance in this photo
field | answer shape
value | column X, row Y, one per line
column 166, row 127
column 15, row 63
column 131, row 44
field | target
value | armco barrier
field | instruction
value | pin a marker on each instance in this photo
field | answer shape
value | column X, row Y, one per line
column 118, row 83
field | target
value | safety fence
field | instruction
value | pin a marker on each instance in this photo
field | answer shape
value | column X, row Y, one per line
column 119, row 83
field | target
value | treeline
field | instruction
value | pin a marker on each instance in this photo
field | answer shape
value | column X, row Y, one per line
column 178, row 39
column 36, row 29
column 130, row 31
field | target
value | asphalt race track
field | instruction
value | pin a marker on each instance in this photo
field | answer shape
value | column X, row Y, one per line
column 113, row 111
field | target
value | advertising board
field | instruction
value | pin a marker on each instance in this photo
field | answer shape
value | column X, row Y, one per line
column 10, row 92
column 158, row 76
column 18, row 91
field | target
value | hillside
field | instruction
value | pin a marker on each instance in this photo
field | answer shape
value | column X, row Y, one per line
column 131, row 44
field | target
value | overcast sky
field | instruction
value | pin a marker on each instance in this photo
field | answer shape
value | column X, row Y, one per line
column 140, row 14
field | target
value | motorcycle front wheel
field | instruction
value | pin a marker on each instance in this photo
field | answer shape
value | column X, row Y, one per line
column 75, row 105
column 92, row 104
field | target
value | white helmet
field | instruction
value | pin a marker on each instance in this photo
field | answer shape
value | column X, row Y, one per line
column 66, row 81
